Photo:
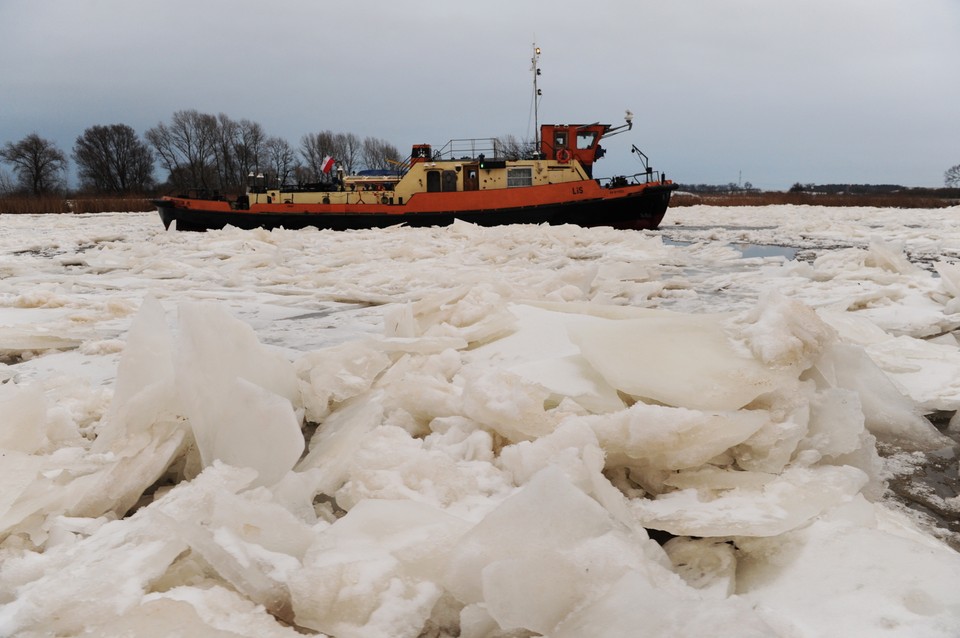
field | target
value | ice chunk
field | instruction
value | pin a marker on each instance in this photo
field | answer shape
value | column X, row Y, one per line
column 668, row 438
column 949, row 277
column 562, row 448
column 248, row 426
column 72, row 482
column 418, row 535
column 676, row 359
column 572, row 377
column 573, row 448
column 889, row 255
column 925, row 370
column 211, row 612
column 547, row 513
column 633, row 603
column 848, row 568
column 223, row 609
column 506, row 403
column 337, row 440
column 23, row 424
column 335, row 374
column 784, row 333
column 134, row 464
column 100, row 576
column 773, row 446
column 399, row 322
column 238, row 396
column 19, row 474
column 707, row 565
column 887, row 413
column 420, row 387
column 540, row 351
column 258, row 574
column 216, row 346
column 779, row 505
column 16, row 340
column 147, row 357
column 392, row 464
column 372, row 572
column 144, row 391
column 853, row 328
column 531, row 592
column 836, row 424
column 98, row 583
column 474, row 313
column 246, row 539
column 547, row 517
column 475, row 622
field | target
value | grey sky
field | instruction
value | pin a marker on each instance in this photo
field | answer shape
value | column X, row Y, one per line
column 862, row 91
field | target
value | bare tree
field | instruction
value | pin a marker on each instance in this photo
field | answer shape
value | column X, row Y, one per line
column 378, row 154
column 250, row 148
column 345, row 148
column 225, row 133
column 185, row 149
column 512, row 148
column 314, row 148
column 951, row 177
column 349, row 152
column 39, row 165
column 281, row 161
column 112, row 159
column 6, row 184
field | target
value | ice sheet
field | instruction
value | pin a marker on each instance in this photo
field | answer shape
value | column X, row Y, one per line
column 473, row 431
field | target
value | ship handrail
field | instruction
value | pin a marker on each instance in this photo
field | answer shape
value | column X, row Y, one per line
column 465, row 148
column 490, row 148
column 648, row 176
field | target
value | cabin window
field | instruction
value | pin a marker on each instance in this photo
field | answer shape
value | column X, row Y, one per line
column 560, row 140
column 586, row 140
column 519, row 176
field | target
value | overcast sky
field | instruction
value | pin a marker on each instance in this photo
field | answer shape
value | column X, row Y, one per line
column 767, row 92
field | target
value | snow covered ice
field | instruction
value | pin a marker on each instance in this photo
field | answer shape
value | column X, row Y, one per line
column 465, row 431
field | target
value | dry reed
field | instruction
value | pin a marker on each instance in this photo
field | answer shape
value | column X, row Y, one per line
column 83, row 204
column 894, row 200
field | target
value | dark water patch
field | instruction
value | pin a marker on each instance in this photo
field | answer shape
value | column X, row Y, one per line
column 756, row 250
column 329, row 311
column 748, row 251
column 14, row 356
column 929, row 482
column 724, row 226
column 47, row 252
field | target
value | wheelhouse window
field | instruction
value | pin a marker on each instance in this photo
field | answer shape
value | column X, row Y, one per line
column 586, row 140
column 519, row 176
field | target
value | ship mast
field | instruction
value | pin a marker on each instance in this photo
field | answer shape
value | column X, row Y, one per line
column 536, row 97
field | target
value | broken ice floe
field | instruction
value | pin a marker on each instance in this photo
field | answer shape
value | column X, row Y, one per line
column 485, row 467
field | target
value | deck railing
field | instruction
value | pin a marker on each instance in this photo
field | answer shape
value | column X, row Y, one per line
column 469, row 148
column 649, row 176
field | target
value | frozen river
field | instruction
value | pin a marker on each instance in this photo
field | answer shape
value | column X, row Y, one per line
column 479, row 432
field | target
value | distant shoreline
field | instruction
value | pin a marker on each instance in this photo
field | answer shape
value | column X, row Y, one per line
column 914, row 198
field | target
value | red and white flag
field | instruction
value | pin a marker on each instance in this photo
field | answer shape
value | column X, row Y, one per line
column 327, row 164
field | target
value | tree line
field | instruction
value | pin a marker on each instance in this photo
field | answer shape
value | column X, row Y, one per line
column 952, row 176
column 194, row 150
column 877, row 189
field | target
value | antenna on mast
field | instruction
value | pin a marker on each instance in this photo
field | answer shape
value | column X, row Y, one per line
column 536, row 97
